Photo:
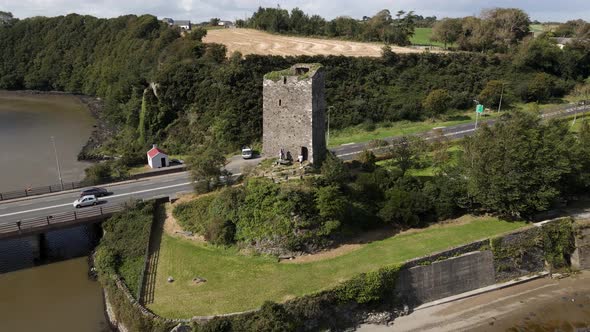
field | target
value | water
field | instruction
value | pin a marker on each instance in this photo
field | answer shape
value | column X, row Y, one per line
column 58, row 296
column 27, row 123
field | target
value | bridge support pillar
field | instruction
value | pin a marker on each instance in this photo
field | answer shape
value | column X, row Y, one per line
column 37, row 243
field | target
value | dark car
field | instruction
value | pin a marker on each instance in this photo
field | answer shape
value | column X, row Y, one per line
column 96, row 191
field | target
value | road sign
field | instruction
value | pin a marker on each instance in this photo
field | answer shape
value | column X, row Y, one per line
column 479, row 108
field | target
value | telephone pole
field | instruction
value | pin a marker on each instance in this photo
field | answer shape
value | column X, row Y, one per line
column 57, row 162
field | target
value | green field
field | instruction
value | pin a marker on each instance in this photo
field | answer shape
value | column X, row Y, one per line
column 237, row 282
column 422, row 37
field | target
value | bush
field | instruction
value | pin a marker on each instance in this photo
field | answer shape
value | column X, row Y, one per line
column 96, row 174
column 370, row 287
column 122, row 249
column 367, row 159
column 558, row 241
column 220, row 232
column 193, row 216
column 334, row 170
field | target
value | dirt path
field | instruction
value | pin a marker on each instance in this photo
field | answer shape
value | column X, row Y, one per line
column 539, row 305
column 249, row 41
column 171, row 226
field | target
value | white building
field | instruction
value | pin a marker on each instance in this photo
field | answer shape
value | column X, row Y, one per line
column 157, row 158
column 183, row 25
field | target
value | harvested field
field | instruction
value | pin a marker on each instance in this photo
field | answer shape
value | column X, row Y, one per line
column 249, row 41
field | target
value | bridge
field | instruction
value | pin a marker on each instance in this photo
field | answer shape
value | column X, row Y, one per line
column 36, row 214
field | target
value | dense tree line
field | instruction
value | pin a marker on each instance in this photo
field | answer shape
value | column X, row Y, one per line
column 380, row 27
column 201, row 96
column 572, row 29
column 496, row 30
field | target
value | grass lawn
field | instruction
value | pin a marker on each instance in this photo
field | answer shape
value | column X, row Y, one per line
column 357, row 134
column 236, row 282
column 422, row 37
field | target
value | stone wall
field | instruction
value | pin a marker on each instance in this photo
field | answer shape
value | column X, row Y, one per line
column 294, row 114
column 581, row 256
column 444, row 278
column 518, row 254
column 439, row 275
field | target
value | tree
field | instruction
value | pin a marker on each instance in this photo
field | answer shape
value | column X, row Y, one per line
column 492, row 93
column 447, row 30
column 404, row 207
column 406, row 153
column 367, row 159
column 437, row 102
column 509, row 25
column 330, row 203
column 334, row 170
column 99, row 173
column 541, row 87
column 205, row 165
column 6, row 18
column 214, row 21
column 573, row 29
column 517, row 167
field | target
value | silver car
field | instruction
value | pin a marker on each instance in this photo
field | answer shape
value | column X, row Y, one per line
column 85, row 201
column 246, row 153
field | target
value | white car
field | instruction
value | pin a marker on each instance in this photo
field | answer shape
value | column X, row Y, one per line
column 246, row 153
column 85, row 201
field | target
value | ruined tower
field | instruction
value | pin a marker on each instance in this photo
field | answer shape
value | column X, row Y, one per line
column 294, row 112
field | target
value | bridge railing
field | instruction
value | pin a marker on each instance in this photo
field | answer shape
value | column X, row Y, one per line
column 29, row 225
column 34, row 191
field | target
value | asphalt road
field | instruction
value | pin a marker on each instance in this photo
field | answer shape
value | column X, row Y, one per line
column 51, row 204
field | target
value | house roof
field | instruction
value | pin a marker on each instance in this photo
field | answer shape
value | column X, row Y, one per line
column 182, row 22
column 154, row 152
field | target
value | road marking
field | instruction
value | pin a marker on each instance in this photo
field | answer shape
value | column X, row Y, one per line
column 427, row 138
column 100, row 199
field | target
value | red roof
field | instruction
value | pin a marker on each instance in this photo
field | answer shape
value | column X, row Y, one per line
column 154, row 152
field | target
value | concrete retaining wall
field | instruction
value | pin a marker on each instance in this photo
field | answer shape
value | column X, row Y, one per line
column 445, row 278
column 581, row 256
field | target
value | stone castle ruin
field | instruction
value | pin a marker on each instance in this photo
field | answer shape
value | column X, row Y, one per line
column 294, row 113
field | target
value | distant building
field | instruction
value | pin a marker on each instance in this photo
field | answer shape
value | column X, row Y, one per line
column 182, row 24
column 294, row 113
column 561, row 42
column 226, row 24
column 157, row 158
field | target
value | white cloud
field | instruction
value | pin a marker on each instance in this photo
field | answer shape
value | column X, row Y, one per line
column 201, row 10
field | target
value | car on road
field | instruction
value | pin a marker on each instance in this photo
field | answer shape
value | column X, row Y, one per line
column 87, row 200
column 176, row 162
column 247, row 153
column 96, row 191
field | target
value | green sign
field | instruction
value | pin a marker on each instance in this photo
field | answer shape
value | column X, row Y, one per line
column 479, row 108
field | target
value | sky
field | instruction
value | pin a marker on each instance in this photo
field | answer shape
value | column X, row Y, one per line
column 203, row 10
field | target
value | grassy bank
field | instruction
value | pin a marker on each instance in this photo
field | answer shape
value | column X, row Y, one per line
column 360, row 133
column 236, row 282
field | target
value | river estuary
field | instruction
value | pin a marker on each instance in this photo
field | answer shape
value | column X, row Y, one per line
column 58, row 296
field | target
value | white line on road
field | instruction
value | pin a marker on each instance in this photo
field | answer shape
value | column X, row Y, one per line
column 113, row 196
column 427, row 138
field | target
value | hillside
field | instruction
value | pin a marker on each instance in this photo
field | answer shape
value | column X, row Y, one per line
column 250, row 41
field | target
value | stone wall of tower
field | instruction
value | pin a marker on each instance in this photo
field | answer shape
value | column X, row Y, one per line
column 294, row 115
